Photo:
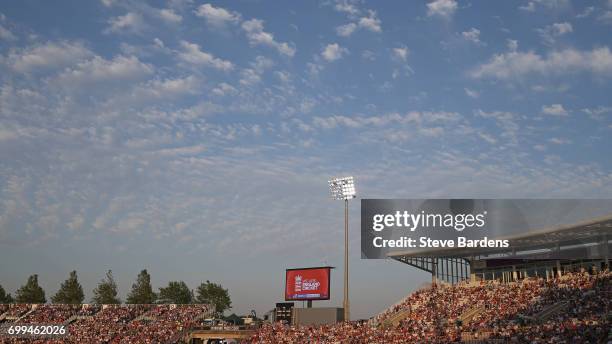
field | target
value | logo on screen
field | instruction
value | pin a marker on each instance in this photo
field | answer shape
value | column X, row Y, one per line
column 306, row 284
column 311, row 284
column 298, row 283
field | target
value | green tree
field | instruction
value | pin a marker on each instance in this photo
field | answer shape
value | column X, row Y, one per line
column 70, row 292
column 106, row 291
column 215, row 295
column 4, row 297
column 176, row 292
column 31, row 292
column 142, row 292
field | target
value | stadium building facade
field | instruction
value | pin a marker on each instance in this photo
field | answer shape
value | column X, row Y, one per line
column 545, row 253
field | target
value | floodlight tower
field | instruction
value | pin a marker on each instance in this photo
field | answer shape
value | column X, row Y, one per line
column 344, row 189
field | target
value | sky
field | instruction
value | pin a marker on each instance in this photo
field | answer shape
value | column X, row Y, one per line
column 196, row 139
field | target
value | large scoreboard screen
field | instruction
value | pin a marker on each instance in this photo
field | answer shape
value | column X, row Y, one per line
column 307, row 284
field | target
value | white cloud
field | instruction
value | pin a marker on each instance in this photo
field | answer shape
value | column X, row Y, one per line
column 401, row 53
column 530, row 7
column 7, row 134
column 314, row 68
column 283, row 76
column 368, row 55
column 539, row 148
column 346, row 6
column 371, row 22
column 174, row 86
column 472, row 35
column 257, row 36
column 170, row 16
column 346, row 30
column 131, row 22
column 487, row 137
column 224, row 89
column 551, row 88
column 506, row 121
column 429, row 117
column 217, row 16
column 251, row 76
column 262, row 63
column 514, row 64
column 49, row 55
column 156, row 91
column 561, row 28
column 431, row 131
column 548, row 4
column 6, row 34
column 500, row 116
column 559, row 141
column 598, row 112
column 586, row 13
column 99, row 69
column 442, row 8
column 333, row 52
column 167, row 88
column 471, row 93
column 554, row 110
column 512, row 44
column 605, row 17
column 551, row 32
column 158, row 43
column 192, row 54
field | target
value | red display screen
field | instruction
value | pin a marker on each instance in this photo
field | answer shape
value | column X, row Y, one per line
column 307, row 284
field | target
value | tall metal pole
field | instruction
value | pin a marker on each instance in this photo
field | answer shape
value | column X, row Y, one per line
column 347, row 316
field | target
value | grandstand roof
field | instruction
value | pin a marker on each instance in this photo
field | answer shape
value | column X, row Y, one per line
column 544, row 243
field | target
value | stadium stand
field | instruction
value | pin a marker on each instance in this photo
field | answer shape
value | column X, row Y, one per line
column 573, row 308
column 112, row 324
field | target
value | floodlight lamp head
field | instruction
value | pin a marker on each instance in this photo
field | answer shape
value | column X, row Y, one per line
column 342, row 188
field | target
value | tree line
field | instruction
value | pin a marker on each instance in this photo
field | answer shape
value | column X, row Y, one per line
column 71, row 292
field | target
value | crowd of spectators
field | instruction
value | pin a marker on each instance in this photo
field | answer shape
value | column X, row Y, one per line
column 163, row 324
column 105, row 325
column 16, row 310
column 50, row 314
column 585, row 317
column 573, row 308
column 506, row 312
column 111, row 324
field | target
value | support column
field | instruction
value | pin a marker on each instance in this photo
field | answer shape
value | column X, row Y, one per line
column 434, row 271
column 606, row 254
column 347, row 314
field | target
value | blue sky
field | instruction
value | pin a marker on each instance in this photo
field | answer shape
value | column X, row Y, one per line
column 196, row 139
